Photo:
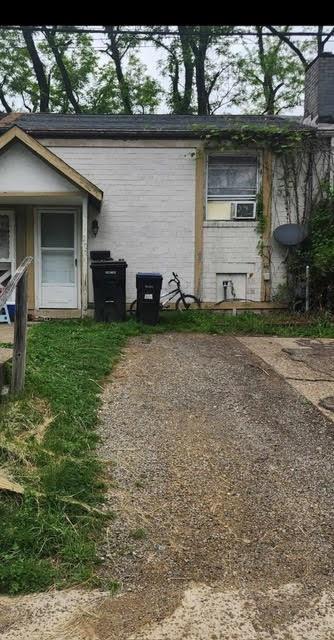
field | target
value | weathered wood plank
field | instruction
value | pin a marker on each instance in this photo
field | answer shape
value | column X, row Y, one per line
column 84, row 256
column 266, row 237
column 20, row 335
column 199, row 217
column 14, row 280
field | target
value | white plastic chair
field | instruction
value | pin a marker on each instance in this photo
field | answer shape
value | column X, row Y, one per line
column 4, row 314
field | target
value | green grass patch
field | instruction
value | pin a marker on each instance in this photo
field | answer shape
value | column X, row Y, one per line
column 138, row 534
column 49, row 535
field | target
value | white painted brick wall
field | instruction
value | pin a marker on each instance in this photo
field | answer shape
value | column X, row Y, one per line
column 148, row 210
column 148, row 216
column 230, row 248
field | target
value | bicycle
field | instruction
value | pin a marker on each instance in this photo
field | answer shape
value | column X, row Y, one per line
column 182, row 303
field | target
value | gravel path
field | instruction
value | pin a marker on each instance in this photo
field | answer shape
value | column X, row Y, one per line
column 226, row 471
column 221, row 479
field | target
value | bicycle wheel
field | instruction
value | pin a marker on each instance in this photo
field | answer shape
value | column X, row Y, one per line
column 299, row 306
column 183, row 303
column 133, row 308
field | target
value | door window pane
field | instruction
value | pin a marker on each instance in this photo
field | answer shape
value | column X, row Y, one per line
column 57, row 267
column 57, row 230
column 4, row 237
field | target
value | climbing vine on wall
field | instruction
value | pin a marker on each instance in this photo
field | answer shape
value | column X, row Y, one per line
column 297, row 155
column 302, row 161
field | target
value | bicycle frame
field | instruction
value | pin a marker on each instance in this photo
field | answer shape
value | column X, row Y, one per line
column 169, row 296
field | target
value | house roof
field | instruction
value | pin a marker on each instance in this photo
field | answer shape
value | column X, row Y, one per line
column 149, row 126
column 15, row 134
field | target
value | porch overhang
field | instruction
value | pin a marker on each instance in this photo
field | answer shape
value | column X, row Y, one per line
column 15, row 134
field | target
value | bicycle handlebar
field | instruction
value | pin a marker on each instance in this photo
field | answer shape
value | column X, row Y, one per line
column 175, row 279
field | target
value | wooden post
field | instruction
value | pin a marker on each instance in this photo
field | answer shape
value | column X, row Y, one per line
column 267, row 179
column 84, row 256
column 199, row 217
column 20, row 335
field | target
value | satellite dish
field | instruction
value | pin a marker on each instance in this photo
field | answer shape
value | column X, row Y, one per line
column 289, row 235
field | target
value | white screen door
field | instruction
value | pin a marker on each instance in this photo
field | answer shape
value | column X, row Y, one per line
column 58, row 259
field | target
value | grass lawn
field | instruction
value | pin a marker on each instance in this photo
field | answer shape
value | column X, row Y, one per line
column 48, row 535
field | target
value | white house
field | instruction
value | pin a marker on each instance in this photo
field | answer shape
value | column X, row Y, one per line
column 150, row 189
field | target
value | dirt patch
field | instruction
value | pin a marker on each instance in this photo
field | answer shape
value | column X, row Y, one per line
column 221, row 481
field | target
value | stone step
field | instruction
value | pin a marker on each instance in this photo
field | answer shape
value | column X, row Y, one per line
column 5, row 355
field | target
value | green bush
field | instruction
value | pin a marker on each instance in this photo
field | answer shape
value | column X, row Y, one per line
column 317, row 251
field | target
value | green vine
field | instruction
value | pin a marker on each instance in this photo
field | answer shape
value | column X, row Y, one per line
column 278, row 139
column 261, row 221
column 260, row 217
column 301, row 161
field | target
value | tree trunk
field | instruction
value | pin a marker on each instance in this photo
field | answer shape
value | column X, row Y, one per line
column 268, row 88
column 63, row 71
column 199, row 50
column 38, row 69
column 188, row 62
column 4, row 102
column 117, row 58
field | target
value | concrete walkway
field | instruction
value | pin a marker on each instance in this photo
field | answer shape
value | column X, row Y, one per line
column 306, row 364
column 6, row 333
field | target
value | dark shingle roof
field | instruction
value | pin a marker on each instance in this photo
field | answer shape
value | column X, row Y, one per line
column 149, row 126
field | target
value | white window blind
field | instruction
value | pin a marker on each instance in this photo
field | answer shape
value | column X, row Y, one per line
column 232, row 177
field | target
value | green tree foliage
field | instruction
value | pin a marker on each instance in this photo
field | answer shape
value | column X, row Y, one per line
column 47, row 70
column 199, row 64
column 271, row 76
column 17, row 81
column 143, row 91
column 209, row 68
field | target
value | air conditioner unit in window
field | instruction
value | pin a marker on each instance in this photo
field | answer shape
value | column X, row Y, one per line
column 244, row 210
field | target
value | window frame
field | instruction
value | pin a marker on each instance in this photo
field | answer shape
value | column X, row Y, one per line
column 254, row 154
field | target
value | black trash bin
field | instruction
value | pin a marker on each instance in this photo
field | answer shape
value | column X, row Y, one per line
column 109, row 283
column 148, row 297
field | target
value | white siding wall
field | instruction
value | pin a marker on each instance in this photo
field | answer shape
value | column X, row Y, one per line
column 21, row 170
column 147, row 216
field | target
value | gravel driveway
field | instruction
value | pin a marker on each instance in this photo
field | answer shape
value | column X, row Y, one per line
column 221, row 479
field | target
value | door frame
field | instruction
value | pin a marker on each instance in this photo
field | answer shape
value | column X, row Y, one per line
column 77, row 253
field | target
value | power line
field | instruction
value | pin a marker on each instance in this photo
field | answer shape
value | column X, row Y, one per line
column 143, row 32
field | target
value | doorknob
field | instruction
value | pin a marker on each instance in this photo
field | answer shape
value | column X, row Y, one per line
column 76, row 262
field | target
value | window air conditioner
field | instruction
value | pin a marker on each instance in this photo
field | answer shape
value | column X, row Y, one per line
column 244, row 210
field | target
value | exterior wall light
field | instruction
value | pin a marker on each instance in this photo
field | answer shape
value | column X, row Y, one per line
column 95, row 227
